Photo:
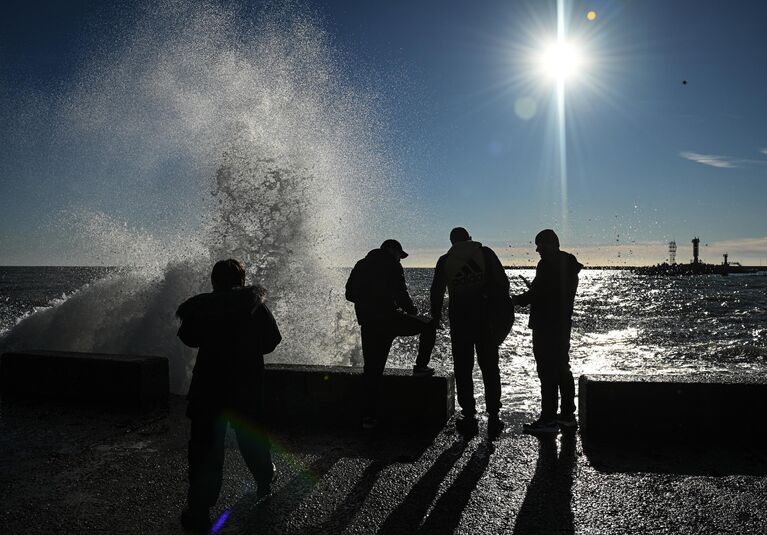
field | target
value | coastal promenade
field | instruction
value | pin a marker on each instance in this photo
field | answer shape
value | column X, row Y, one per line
column 78, row 470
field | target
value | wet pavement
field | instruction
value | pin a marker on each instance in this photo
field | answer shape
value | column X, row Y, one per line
column 78, row 470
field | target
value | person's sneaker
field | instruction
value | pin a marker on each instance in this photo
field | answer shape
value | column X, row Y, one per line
column 567, row 420
column 422, row 371
column 369, row 422
column 467, row 426
column 494, row 426
column 196, row 520
column 539, row 426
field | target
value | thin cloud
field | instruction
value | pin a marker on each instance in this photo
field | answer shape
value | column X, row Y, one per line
column 712, row 160
column 763, row 151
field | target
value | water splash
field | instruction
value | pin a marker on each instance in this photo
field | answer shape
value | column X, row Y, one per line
column 259, row 149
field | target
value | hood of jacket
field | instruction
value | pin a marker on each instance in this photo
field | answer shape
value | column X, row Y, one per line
column 570, row 264
column 463, row 250
column 221, row 303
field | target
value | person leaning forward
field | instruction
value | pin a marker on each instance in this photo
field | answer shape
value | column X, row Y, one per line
column 480, row 314
column 551, row 297
column 384, row 310
column 233, row 328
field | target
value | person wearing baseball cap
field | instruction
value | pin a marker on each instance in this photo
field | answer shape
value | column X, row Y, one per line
column 384, row 310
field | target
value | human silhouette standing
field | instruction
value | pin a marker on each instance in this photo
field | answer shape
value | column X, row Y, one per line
column 478, row 289
column 551, row 296
column 384, row 310
column 233, row 329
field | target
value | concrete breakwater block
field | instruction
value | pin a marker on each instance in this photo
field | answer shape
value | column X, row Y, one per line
column 678, row 407
column 125, row 380
column 333, row 395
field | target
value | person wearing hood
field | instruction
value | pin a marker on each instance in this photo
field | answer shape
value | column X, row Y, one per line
column 384, row 310
column 233, row 329
column 551, row 297
column 480, row 313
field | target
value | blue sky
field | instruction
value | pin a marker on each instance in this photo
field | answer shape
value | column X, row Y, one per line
column 649, row 158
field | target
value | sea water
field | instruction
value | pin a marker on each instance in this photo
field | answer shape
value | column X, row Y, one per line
column 623, row 323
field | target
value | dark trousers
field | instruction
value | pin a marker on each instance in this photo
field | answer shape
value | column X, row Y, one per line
column 464, row 340
column 377, row 338
column 551, row 348
column 206, row 455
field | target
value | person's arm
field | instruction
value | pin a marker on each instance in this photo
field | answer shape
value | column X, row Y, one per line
column 266, row 328
column 399, row 289
column 438, row 286
column 498, row 278
column 534, row 292
column 352, row 284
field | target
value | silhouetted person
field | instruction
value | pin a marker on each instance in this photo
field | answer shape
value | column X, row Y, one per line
column 551, row 296
column 234, row 329
column 478, row 292
column 384, row 311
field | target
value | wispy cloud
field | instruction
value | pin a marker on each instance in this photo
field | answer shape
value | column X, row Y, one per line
column 763, row 151
column 711, row 160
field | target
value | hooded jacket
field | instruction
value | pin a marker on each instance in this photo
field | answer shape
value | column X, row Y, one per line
column 234, row 329
column 376, row 286
column 475, row 281
column 551, row 295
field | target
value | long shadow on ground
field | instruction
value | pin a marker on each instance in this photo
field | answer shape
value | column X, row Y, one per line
column 547, row 505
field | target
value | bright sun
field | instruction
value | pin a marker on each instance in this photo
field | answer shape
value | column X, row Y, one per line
column 561, row 60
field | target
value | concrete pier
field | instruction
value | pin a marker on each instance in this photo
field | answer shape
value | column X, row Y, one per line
column 333, row 395
column 309, row 395
column 117, row 380
column 672, row 407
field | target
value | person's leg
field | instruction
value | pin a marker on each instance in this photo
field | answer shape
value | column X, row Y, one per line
column 565, row 375
column 409, row 325
column 487, row 358
column 206, row 460
column 255, row 448
column 547, row 368
column 376, row 344
column 426, row 342
column 463, row 367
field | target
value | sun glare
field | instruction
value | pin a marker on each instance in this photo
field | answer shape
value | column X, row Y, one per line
column 561, row 60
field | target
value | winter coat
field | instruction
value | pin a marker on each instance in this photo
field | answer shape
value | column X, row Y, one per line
column 478, row 289
column 234, row 329
column 376, row 286
column 551, row 295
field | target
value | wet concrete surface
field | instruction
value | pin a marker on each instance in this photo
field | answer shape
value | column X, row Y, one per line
column 65, row 469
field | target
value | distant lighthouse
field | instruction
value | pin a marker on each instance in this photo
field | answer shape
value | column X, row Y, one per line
column 695, row 246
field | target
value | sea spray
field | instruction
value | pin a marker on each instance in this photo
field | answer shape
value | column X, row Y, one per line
column 278, row 163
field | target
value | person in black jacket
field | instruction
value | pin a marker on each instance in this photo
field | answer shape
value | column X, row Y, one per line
column 234, row 329
column 480, row 317
column 384, row 310
column 551, row 297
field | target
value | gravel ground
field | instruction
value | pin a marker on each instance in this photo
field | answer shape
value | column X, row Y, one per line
column 79, row 470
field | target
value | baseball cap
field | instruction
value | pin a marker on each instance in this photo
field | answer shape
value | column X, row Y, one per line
column 394, row 244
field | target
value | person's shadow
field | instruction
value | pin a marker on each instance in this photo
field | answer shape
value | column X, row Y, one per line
column 547, row 504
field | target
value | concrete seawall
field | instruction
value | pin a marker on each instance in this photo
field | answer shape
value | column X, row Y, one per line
column 130, row 381
column 672, row 407
column 333, row 394
column 309, row 395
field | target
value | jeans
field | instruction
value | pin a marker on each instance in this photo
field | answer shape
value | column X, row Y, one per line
column 551, row 349
column 206, row 454
column 464, row 340
column 377, row 339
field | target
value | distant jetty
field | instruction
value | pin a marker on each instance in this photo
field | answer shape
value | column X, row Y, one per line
column 696, row 267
